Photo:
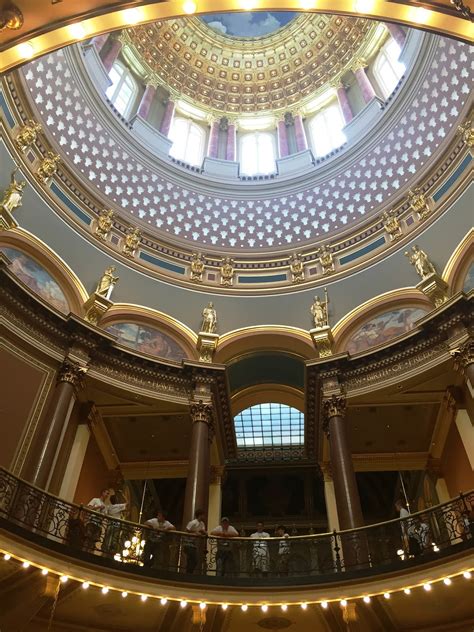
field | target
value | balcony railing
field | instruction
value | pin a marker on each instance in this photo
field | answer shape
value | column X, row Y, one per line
column 80, row 532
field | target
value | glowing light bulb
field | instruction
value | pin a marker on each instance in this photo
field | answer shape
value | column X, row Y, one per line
column 163, row 601
column 244, row 607
column 144, row 597
column 131, row 16
column 189, row 7
column 407, row 591
column 44, row 571
column 324, row 604
column 343, row 602
column 420, row 15
column 447, row 581
column 25, row 50
column 367, row 599
column 364, row 6
column 203, row 605
column 183, row 603
column 125, row 594
column 7, row 557
column 467, row 575
column 307, row 5
column 427, row 587
column 85, row 585
column 26, row 564
column 63, row 579
column 248, row 5
column 105, row 590
column 386, row 595
column 304, row 606
column 224, row 606
column 77, row 31
column 264, row 608
column 284, row 607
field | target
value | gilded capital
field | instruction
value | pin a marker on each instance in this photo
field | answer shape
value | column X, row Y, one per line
column 335, row 406
column 71, row 373
column 201, row 411
column 464, row 355
column 359, row 64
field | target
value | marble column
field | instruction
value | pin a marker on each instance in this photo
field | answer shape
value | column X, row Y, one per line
column 396, row 32
column 366, row 88
column 213, row 145
column 197, row 482
column 41, row 462
column 111, row 56
column 345, row 486
column 347, row 113
column 215, row 496
column 330, row 498
column 301, row 142
column 230, row 148
column 99, row 41
column 75, row 462
column 146, row 101
column 283, row 148
column 167, row 118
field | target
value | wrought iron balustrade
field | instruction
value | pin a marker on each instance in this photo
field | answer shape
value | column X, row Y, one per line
column 81, row 532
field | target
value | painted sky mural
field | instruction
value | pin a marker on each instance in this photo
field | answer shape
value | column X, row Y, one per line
column 147, row 340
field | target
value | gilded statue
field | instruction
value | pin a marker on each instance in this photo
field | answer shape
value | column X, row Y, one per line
column 391, row 225
column 466, row 131
column 131, row 242
column 197, row 267
column 104, row 224
column 227, row 272
column 13, row 194
column 27, row 135
column 325, row 257
column 209, row 320
column 48, row 167
column 419, row 203
column 296, row 268
column 107, row 283
column 420, row 260
column 319, row 312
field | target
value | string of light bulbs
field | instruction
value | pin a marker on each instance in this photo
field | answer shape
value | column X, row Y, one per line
column 264, row 606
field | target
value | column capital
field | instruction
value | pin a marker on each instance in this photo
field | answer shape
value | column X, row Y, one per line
column 359, row 64
column 334, row 406
column 201, row 411
column 71, row 373
column 463, row 355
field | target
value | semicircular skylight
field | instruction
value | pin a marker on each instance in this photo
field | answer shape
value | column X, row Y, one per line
column 269, row 425
column 249, row 24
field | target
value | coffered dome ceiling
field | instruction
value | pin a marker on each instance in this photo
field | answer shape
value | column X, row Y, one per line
column 243, row 75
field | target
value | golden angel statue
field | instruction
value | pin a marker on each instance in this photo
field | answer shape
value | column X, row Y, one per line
column 48, row 167
column 419, row 203
column 104, row 224
column 209, row 319
column 107, row 283
column 227, row 272
column 296, row 268
column 13, row 194
column 319, row 312
column 131, row 242
column 197, row 267
column 391, row 225
column 27, row 135
column 325, row 257
column 420, row 260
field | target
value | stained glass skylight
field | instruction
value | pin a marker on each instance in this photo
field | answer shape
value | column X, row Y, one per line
column 269, row 425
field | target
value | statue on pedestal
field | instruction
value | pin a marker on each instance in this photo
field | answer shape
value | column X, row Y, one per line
column 327, row 261
column 319, row 312
column 209, row 319
column 107, row 283
column 131, row 242
column 420, row 260
column 197, row 267
column 296, row 268
column 104, row 224
column 13, row 194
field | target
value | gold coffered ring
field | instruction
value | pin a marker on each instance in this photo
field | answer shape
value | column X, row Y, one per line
column 413, row 16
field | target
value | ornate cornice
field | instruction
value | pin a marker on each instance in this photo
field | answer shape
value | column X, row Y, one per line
column 464, row 355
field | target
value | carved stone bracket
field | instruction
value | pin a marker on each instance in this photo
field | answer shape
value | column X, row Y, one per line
column 435, row 289
column 334, row 406
column 71, row 373
column 207, row 345
column 322, row 339
column 7, row 221
column 96, row 307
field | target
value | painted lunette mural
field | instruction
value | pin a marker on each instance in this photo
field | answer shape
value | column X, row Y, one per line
column 36, row 278
column 469, row 279
column 383, row 328
column 147, row 340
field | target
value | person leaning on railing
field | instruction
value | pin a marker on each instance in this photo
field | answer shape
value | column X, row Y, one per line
column 94, row 524
column 155, row 551
column 283, row 559
column 198, row 528
column 224, row 555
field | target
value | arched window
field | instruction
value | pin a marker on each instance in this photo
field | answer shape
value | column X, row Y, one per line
column 124, row 89
column 387, row 68
column 325, row 130
column 257, row 153
column 269, row 425
column 188, row 141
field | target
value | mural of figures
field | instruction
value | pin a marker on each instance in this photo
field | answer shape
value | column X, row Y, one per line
column 469, row 280
column 147, row 340
column 36, row 278
column 383, row 328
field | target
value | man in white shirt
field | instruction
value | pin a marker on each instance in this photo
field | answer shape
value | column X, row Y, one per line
column 283, row 562
column 224, row 557
column 261, row 556
column 191, row 544
column 155, row 550
column 93, row 529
